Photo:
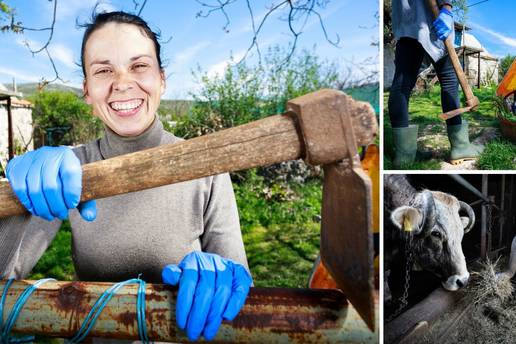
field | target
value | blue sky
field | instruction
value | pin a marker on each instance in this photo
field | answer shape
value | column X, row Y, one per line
column 492, row 22
column 195, row 41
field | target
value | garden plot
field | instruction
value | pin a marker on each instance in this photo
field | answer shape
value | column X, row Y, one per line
column 484, row 128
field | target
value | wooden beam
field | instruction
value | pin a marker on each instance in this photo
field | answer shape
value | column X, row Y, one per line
column 428, row 310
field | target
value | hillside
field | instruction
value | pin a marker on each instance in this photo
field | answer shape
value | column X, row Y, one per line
column 30, row 88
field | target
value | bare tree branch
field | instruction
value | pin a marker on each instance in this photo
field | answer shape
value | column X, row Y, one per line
column 51, row 28
column 298, row 11
column 254, row 42
column 256, row 32
column 56, row 77
column 220, row 7
column 141, row 8
column 18, row 28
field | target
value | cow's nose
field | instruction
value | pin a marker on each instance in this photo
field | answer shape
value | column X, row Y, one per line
column 461, row 282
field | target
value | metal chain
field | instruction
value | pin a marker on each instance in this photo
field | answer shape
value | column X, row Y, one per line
column 403, row 300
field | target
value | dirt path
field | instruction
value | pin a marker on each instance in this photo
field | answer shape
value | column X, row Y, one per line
column 434, row 138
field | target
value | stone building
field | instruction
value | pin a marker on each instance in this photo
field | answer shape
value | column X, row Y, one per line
column 480, row 67
column 20, row 124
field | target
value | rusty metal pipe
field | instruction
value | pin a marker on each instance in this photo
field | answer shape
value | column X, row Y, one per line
column 270, row 315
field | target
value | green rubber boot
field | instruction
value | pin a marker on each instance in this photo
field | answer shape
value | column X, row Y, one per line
column 405, row 145
column 461, row 148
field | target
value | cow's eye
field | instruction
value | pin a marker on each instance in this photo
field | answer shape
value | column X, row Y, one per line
column 437, row 234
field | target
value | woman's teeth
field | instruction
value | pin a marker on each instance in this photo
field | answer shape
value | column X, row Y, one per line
column 124, row 106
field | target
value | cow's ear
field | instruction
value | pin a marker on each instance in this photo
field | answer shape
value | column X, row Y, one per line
column 407, row 219
column 465, row 222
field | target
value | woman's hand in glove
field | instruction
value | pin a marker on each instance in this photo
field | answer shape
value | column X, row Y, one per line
column 211, row 288
column 48, row 182
column 443, row 25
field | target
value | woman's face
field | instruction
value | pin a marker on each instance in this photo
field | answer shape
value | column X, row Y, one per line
column 123, row 81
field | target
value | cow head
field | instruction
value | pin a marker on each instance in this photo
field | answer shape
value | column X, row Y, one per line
column 434, row 219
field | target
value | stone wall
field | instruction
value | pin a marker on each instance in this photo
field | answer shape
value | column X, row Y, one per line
column 388, row 66
column 22, row 128
column 488, row 70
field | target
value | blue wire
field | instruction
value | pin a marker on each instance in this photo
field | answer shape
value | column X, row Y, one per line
column 88, row 322
column 140, row 310
column 2, row 301
column 15, row 311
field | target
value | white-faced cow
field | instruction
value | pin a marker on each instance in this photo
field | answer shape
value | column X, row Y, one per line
column 435, row 223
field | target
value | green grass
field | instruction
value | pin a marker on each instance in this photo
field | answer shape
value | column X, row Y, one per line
column 282, row 255
column 279, row 227
column 280, row 235
column 56, row 262
column 498, row 155
column 424, row 110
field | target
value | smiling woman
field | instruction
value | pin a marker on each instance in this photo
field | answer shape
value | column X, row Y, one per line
column 124, row 89
column 186, row 234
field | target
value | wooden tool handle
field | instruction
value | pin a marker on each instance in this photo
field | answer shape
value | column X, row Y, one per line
column 450, row 48
column 260, row 143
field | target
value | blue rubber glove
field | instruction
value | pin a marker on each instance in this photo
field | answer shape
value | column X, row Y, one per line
column 211, row 288
column 48, row 182
column 443, row 25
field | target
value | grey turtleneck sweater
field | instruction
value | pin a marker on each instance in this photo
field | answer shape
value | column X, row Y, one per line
column 413, row 18
column 135, row 233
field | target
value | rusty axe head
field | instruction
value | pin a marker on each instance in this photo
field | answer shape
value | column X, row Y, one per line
column 332, row 124
column 471, row 104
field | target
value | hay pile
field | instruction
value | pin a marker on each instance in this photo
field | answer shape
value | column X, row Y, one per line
column 488, row 284
column 491, row 314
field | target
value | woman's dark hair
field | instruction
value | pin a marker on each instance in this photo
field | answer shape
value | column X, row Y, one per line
column 98, row 20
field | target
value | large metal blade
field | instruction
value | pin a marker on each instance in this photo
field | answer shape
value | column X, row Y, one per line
column 346, row 237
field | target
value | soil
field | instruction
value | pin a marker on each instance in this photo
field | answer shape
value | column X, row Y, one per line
column 434, row 138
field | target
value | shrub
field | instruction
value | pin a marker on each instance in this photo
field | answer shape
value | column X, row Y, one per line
column 243, row 93
column 66, row 114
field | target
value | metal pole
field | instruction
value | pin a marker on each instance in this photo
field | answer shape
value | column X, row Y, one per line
column 478, row 76
column 501, row 220
column 10, row 129
column 467, row 185
column 483, row 222
column 270, row 315
column 511, row 217
column 489, row 222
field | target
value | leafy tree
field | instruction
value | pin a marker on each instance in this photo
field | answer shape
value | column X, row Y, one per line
column 505, row 64
column 244, row 93
column 65, row 110
column 5, row 16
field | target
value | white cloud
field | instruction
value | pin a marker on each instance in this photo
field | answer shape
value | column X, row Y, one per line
column 63, row 54
column 185, row 55
column 507, row 40
column 219, row 67
column 19, row 75
column 34, row 45
column 58, row 51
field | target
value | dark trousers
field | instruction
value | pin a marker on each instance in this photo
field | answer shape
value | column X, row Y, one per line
column 408, row 58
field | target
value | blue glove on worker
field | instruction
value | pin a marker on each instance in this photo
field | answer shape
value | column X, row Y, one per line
column 211, row 288
column 48, row 182
column 443, row 25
